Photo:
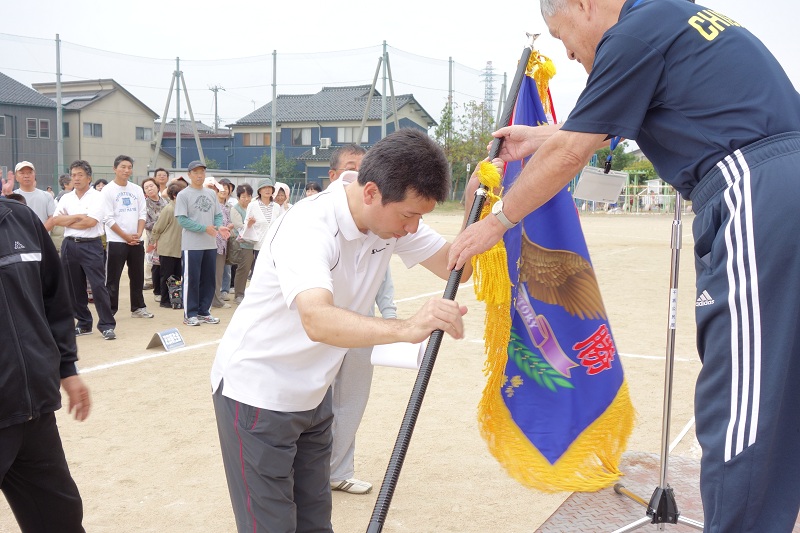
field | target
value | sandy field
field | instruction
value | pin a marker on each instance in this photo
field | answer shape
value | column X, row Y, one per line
column 147, row 459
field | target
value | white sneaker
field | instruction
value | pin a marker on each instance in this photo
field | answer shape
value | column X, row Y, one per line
column 238, row 299
column 224, row 296
column 142, row 312
column 191, row 321
column 352, row 486
column 157, row 298
column 207, row 319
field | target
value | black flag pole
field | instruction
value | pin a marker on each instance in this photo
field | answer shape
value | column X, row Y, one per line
column 384, row 500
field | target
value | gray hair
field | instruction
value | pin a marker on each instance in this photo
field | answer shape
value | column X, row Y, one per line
column 551, row 7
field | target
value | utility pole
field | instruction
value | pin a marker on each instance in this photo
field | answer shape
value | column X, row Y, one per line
column 178, row 130
column 59, row 112
column 215, row 89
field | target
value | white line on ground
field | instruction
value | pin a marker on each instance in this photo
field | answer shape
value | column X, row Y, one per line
column 682, row 434
column 145, row 357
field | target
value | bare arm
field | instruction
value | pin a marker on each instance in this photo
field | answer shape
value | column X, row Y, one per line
column 328, row 324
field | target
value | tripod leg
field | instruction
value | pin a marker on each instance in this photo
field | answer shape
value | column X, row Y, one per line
column 691, row 523
column 634, row 525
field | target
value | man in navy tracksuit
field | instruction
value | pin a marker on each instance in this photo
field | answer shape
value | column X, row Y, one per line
column 714, row 111
column 37, row 354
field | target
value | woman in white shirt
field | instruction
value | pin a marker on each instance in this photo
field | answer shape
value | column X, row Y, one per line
column 262, row 213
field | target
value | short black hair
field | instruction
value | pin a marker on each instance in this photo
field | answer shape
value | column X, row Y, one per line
column 337, row 154
column 121, row 158
column 159, row 169
column 244, row 188
column 63, row 181
column 98, row 182
column 83, row 165
column 406, row 159
column 18, row 197
column 313, row 186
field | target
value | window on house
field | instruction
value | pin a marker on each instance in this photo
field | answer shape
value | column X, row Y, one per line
column 91, row 129
column 349, row 135
column 65, row 129
column 44, row 128
column 33, row 128
column 144, row 134
column 256, row 139
column 2, row 126
column 301, row 137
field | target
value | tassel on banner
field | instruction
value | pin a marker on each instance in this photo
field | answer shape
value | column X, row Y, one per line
column 492, row 284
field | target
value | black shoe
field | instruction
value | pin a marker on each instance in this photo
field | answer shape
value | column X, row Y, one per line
column 168, row 306
column 82, row 331
column 109, row 335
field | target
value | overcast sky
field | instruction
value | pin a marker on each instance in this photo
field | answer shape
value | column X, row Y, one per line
column 318, row 43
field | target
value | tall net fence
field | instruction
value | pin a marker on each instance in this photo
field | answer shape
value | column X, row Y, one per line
column 245, row 82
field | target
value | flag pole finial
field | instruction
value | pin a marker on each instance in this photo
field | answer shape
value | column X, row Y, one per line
column 532, row 37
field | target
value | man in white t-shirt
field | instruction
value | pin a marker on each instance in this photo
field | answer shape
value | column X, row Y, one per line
column 40, row 201
column 323, row 261
column 126, row 212
column 82, row 211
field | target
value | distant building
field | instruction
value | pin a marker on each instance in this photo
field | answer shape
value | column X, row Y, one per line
column 27, row 120
column 103, row 120
column 216, row 144
column 309, row 126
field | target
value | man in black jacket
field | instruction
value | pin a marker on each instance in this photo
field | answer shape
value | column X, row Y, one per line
column 37, row 354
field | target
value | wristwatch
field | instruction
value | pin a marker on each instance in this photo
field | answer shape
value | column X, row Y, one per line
column 497, row 210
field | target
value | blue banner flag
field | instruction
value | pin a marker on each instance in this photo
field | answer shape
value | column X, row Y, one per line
column 556, row 411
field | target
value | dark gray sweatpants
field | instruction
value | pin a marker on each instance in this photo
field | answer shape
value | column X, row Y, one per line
column 277, row 466
column 747, row 401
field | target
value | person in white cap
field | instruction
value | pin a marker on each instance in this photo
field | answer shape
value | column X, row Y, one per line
column 40, row 201
column 200, row 216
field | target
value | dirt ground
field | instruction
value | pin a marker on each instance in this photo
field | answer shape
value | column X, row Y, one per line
column 147, row 459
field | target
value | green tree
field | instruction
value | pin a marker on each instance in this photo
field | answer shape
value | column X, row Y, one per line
column 643, row 168
column 284, row 167
column 463, row 135
column 212, row 164
column 620, row 160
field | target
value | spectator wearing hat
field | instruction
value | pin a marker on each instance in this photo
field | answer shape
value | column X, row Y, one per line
column 126, row 213
column 282, row 195
column 199, row 214
column 262, row 213
column 40, row 201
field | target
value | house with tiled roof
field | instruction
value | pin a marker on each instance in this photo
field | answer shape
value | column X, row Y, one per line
column 216, row 144
column 310, row 126
column 102, row 120
column 27, row 120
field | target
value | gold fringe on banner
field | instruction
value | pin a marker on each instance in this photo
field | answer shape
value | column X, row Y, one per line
column 591, row 462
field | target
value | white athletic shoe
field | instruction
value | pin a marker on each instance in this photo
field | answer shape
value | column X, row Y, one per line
column 352, row 486
column 142, row 312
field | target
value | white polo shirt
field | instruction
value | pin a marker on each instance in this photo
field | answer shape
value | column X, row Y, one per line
column 91, row 204
column 266, row 357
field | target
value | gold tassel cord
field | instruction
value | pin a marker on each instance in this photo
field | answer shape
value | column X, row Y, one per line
column 542, row 69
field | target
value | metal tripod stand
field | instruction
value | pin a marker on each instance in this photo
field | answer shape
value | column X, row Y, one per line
column 662, row 508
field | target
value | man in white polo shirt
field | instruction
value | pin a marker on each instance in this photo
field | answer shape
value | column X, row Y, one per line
column 126, row 212
column 82, row 211
column 323, row 262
